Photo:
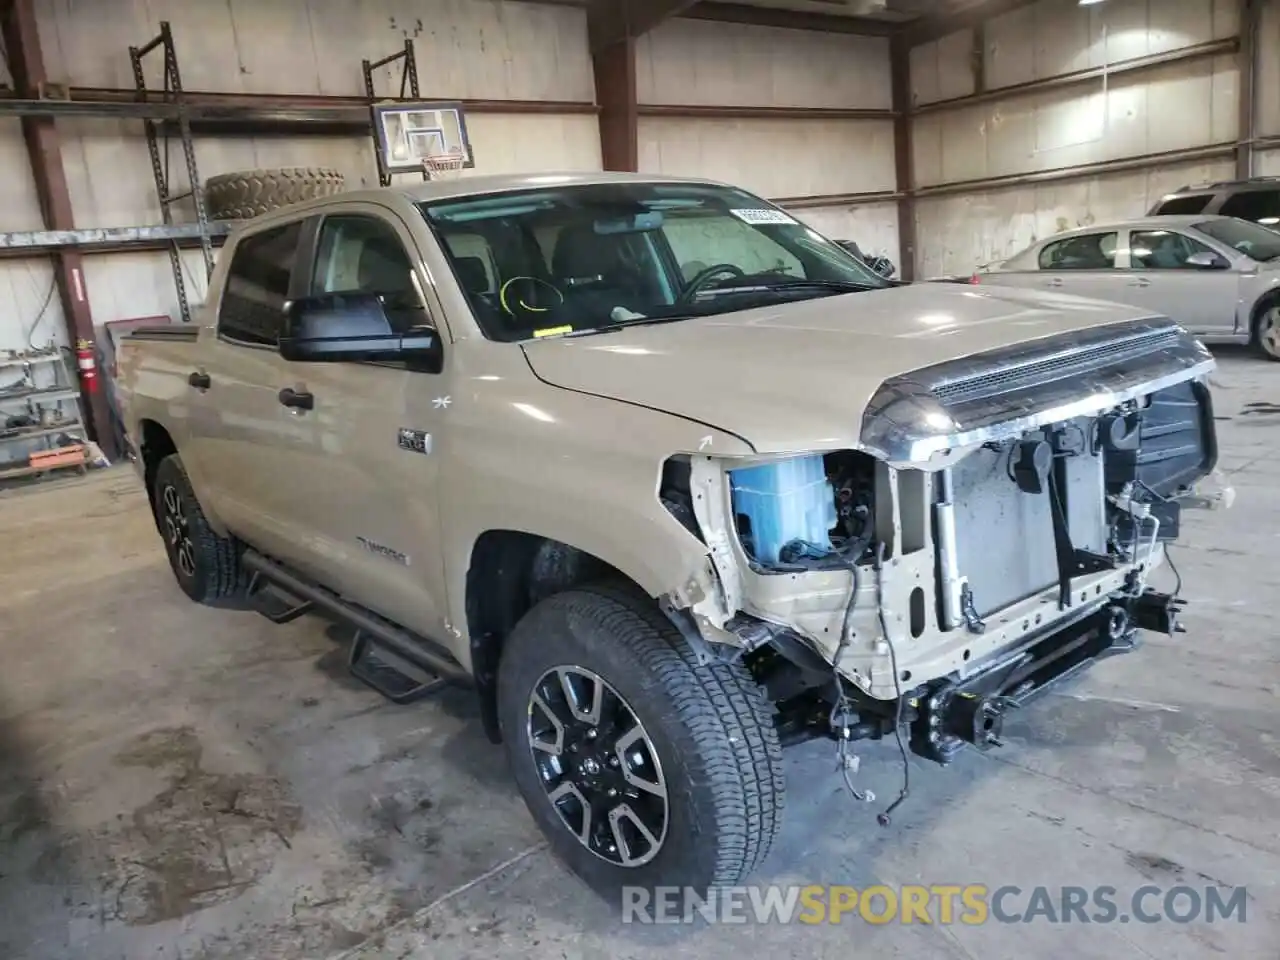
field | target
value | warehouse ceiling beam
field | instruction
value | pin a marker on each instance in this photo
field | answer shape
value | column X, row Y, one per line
column 242, row 107
column 611, row 22
column 958, row 18
column 788, row 19
column 1086, row 77
column 1146, row 161
column 26, row 65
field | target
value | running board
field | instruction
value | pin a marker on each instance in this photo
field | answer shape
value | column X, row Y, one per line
column 400, row 665
column 274, row 603
column 394, row 677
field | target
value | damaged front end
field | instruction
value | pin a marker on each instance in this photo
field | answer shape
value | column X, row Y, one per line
column 994, row 531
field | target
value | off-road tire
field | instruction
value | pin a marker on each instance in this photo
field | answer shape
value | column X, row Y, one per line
column 1267, row 313
column 250, row 193
column 215, row 577
column 711, row 725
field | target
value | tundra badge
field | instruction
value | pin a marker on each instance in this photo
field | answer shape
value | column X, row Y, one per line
column 384, row 551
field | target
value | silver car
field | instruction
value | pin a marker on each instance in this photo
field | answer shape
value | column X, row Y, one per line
column 1218, row 277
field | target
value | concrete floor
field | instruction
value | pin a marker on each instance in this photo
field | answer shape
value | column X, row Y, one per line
column 177, row 781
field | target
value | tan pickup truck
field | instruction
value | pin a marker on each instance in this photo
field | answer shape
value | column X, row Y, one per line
column 671, row 480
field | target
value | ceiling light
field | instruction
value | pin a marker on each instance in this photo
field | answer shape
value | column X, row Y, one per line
column 1089, row 3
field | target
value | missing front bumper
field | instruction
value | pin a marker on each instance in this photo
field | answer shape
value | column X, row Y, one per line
column 971, row 711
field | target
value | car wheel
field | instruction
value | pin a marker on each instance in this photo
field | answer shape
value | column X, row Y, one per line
column 206, row 566
column 642, row 767
column 1266, row 330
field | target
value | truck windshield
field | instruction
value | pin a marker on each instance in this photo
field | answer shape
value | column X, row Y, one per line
column 1253, row 241
column 586, row 258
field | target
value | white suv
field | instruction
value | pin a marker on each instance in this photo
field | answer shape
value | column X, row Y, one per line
column 1256, row 199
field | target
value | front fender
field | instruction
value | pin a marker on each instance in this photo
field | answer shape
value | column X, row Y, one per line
column 579, row 469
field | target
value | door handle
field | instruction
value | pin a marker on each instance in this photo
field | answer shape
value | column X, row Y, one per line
column 199, row 380
column 1140, row 282
column 297, row 398
column 1055, row 282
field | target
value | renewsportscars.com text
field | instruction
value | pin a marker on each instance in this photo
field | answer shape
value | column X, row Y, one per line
column 944, row 904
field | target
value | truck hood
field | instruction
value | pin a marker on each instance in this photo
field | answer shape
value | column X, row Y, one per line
column 799, row 376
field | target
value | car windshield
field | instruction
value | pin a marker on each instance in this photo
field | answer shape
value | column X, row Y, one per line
column 586, row 258
column 1253, row 241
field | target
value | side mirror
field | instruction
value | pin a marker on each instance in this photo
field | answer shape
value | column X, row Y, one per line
column 882, row 265
column 1207, row 260
column 347, row 327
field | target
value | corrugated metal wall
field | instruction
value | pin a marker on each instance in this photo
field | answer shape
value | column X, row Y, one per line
column 702, row 63
column 1174, row 107
column 466, row 49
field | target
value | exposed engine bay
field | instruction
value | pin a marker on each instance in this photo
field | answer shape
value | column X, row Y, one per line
column 941, row 593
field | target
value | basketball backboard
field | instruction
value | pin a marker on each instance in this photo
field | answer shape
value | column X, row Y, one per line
column 410, row 132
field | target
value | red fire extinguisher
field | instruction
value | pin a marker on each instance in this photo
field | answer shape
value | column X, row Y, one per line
column 88, row 365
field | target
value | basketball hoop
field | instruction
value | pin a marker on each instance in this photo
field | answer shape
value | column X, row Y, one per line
column 443, row 166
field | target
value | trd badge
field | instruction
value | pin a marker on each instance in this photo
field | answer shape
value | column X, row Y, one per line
column 419, row 441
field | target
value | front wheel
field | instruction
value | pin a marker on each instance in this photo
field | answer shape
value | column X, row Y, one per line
column 642, row 767
column 1266, row 331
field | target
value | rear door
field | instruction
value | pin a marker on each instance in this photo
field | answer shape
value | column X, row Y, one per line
column 1083, row 265
column 1158, row 277
column 239, row 450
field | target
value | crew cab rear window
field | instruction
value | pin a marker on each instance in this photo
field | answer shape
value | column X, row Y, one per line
column 252, row 308
column 1260, row 206
column 1192, row 203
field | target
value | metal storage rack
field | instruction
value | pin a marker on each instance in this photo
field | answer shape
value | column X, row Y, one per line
column 37, row 400
column 158, row 135
column 169, row 113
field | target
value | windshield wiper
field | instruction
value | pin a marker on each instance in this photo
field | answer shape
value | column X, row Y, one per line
column 797, row 283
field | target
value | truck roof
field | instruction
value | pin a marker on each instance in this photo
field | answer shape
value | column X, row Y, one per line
column 501, row 183
column 428, row 191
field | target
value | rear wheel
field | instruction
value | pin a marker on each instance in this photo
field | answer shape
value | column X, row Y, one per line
column 641, row 766
column 1266, row 330
column 206, row 566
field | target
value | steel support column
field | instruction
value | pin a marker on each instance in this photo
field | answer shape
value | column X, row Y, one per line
column 26, row 64
column 615, row 71
column 1247, row 59
column 900, row 77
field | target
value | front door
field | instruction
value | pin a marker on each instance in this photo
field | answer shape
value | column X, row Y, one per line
column 1159, row 278
column 362, row 484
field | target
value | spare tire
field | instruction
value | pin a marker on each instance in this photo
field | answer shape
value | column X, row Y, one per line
column 249, row 193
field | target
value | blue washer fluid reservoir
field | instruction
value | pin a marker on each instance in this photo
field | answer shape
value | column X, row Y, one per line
column 784, row 501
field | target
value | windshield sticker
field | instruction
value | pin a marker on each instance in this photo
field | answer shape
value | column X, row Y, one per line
column 553, row 331
column 762, row 216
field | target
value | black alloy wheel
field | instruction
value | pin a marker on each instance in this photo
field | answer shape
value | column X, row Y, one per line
column 641, row 765
column 206, row 565
column 598, row 765
column 176, row 529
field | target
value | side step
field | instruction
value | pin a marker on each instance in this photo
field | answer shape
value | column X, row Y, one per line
column 394, row 677
column 398, row 664
column 274, row 603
